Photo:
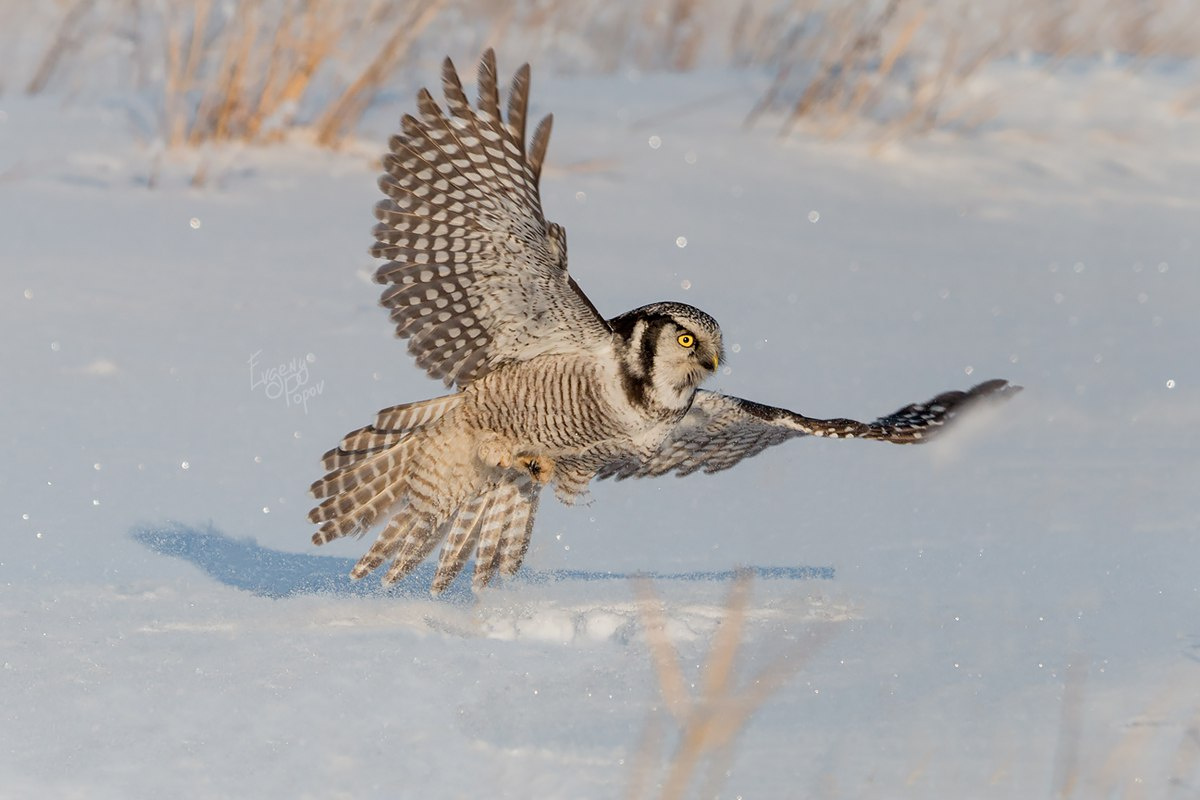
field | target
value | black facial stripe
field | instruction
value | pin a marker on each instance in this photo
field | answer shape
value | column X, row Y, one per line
column 635, row 388
column 650, row 345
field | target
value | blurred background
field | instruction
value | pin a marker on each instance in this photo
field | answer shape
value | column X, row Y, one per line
column 197, row 71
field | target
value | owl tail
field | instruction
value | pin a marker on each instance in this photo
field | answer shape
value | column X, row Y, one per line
column 370, row 474
column 366, row 470
column 495, row 524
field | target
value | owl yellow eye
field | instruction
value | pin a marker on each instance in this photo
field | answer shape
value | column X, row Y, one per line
column 686, row 339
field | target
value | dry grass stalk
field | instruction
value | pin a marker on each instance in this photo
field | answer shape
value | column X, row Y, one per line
column 708, row 724
column 182, row 66
column 282, row 45
column 65, row 41
column 684, row 34
column 834, row 84
column 344, row 112
column 866, row 93
column 1070, row 729
column 251, row 69
column 230, row 95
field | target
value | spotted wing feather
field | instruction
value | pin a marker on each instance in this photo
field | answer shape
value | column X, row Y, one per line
column 477, row 276
column 719, row 431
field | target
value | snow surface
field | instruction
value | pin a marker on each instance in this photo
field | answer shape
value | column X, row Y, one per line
column 166, row 629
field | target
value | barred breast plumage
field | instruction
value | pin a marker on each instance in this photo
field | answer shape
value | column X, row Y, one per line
column 549, row 390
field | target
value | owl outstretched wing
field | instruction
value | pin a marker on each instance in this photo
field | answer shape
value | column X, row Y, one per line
column 477, row 276
column 719, row 431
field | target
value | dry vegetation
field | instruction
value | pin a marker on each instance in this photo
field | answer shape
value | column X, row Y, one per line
column 902, row 62
column 688, row 742
column 257, row 69
column 704, row 727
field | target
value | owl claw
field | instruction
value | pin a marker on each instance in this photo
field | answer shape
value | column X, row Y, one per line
column 540, row 468
column 498, row 452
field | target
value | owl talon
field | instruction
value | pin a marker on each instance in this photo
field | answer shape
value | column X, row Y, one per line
column 540, row 468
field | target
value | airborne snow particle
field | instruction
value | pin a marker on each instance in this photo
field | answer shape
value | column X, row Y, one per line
column 681, row 241
column 1170, row 383
column 655, row 142
column 185, row 465
column 685, row 284
column 195, row 223
column 813, row 216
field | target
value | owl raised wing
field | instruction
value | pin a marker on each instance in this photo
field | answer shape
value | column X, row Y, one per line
column 477, row 276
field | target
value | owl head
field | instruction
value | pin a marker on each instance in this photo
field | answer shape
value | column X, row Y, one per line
column 667, row 350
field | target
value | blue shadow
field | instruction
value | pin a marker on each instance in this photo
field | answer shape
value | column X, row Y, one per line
column 246, row 565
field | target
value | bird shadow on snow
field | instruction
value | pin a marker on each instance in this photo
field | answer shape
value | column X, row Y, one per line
column 245, row 564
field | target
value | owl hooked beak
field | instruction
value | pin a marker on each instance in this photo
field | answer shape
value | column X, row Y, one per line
column 714, row 351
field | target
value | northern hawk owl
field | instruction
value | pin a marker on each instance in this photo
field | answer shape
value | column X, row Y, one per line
column 549, row 391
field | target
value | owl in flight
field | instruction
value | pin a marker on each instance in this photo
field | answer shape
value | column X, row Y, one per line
column 549, row 391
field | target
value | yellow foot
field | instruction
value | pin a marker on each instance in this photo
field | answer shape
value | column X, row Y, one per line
column 540, row 468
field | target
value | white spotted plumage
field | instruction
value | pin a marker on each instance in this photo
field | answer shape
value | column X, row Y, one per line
column 549, row 390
